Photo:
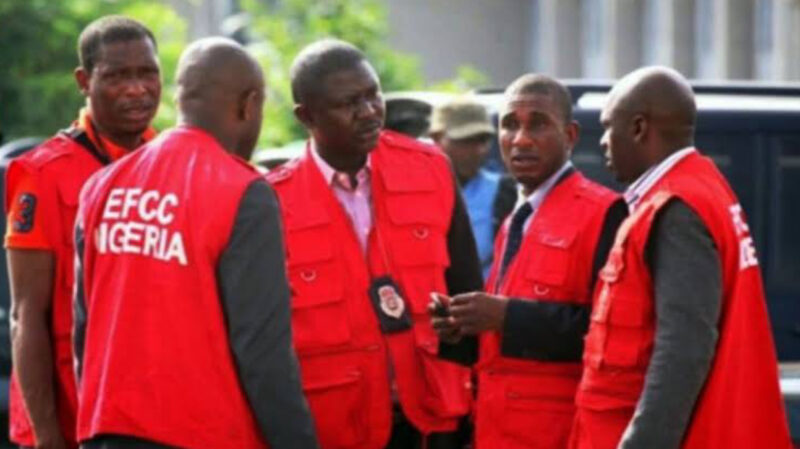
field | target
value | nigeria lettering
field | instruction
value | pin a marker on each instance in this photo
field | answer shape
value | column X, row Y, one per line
column 137, row 222
column 747, row 250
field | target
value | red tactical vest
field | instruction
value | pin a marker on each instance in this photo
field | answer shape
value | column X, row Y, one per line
column 343, row 355
column 529, row 404
column 157, row 361
column 740, row 405
column 66, row 165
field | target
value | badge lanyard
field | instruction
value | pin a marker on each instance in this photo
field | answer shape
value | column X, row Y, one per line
column 384, row 256
column 385, row 293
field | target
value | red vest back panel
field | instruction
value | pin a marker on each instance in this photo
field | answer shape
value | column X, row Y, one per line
column 66, row 166
column 530, row 404
column 343, row 355
column 157, row 361
column 740, row 405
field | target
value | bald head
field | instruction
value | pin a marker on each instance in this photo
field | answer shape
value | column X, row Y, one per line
column 221, row 89
column 650, row 114
column 663, row 95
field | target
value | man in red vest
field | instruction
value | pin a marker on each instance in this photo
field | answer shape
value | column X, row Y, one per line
column 182, row 334
column 679, row 352
column 374, row 223
column 532, row 319
column 120, row 77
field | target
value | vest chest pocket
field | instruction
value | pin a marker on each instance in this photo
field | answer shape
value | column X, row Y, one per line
column 319, row 309
column 621, row 333
column 338, row 404
column 418, row 245
column 550, row 261
column 416, row 235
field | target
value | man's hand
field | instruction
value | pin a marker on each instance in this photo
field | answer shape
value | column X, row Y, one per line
column 476, row 312
column 441, row 321
column 31, row 275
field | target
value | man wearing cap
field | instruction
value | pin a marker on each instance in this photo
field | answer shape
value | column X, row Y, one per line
column 463, row 130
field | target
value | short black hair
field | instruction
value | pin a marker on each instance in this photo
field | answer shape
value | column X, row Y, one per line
column 318, row 60
column 107, row 30
column 534, row 83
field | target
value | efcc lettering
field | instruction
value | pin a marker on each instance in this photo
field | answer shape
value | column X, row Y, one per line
column 747, row 250
column 137, row 222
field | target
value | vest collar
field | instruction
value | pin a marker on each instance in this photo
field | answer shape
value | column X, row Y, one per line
column 639, row 188
column 537, row 197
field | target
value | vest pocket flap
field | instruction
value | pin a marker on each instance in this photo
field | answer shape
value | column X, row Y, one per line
column 339, row 408
column 561, row 239
column 416, row 209
column 304, row 216
column 419, row 245
column 344, row 380
column 411, row 178
column 307, row 247
column 551, row 258
column 319, row 311
column 314, row 285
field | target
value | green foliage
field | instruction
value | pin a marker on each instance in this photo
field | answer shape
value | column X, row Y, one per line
column 467, row 78
column 280, row 29
column 38, row 40
column 38, row 44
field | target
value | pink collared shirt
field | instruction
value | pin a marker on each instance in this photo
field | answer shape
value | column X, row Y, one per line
column 356, row 202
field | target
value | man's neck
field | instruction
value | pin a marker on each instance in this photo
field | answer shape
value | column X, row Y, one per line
column 342, row 162
column 127, row 141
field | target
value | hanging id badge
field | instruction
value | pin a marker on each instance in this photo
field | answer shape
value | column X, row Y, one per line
column 389, row 304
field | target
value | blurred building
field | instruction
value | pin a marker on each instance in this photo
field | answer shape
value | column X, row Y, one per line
column 210, row 17
column 704, row 39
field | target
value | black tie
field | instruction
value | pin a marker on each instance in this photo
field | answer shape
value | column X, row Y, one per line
column 515, row 236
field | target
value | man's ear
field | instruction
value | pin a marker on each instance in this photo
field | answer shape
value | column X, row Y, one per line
column 303, row 114
column 82, row 78
column 573, row 131
column 640, row 128
column 250, row 104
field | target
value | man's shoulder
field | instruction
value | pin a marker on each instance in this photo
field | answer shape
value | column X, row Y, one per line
column 593, row 191
column 396, row 142
column 284, row 173
column 58, row 148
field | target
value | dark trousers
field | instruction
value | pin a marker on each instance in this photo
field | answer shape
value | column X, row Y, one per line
column 406, row 436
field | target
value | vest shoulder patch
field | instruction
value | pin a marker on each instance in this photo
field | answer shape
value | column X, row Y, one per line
column 54, row 148
column 279, row 174
column 397, row 140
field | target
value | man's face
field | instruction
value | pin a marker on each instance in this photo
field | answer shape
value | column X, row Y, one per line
column 534, row 140
column 124, row 87
column 617, row 142
column 348, row 114
column 467, row 154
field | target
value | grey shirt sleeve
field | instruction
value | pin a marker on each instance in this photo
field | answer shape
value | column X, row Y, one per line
column 687, row 279
column 255, row 297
